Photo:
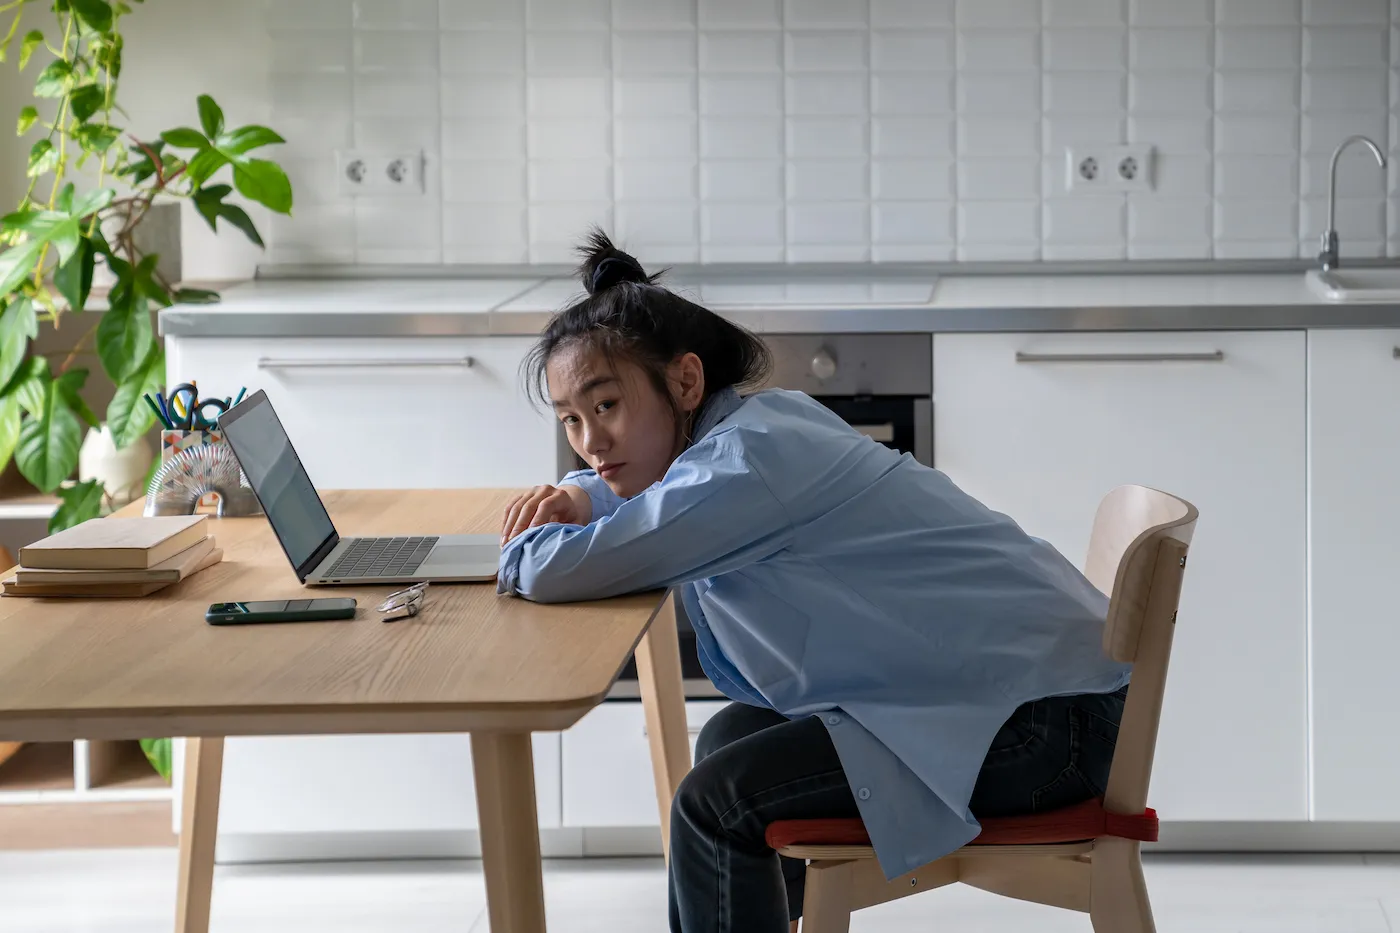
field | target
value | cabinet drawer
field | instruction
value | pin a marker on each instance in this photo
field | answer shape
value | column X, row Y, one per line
column 402, row 413
column 607, row 765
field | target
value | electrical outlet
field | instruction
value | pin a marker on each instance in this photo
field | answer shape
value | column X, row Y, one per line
column 1104, row 169
column 377, row 174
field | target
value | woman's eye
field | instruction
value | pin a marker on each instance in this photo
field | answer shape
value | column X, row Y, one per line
column 604, row 406
column 569, row 420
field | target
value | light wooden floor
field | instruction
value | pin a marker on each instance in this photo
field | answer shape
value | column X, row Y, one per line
column 133, row 891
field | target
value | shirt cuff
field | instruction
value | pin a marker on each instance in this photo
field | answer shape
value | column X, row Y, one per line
column 603, row 499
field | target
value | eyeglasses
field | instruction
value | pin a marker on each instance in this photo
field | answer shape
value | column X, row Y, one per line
column 404, row 604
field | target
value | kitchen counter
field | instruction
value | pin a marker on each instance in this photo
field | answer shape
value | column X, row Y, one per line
column 777, row 302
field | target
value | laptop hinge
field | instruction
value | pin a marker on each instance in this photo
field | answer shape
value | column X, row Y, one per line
column 317, row 556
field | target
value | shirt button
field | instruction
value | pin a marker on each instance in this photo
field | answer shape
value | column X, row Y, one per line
column 864, row 793
column 833, row 720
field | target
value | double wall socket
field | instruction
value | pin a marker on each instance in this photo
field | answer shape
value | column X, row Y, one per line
column 361, row 173
column 1109, row 168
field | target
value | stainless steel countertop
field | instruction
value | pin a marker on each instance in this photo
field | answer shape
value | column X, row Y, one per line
column 866, row 300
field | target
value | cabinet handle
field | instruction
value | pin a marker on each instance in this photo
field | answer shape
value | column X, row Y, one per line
column 1216, row 356
column 1395, row 352
column 462, row 362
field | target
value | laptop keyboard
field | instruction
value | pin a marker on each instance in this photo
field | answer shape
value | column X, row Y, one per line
column 382, row 557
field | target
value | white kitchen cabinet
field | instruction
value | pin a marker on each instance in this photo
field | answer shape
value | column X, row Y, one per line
column 1354, row 498
column 607, row 764
column 364, row 784
column 392, row 413
column 1044, row 435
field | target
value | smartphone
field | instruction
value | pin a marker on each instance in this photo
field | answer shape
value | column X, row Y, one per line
column 280, row 610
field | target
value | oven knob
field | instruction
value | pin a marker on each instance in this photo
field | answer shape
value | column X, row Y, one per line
column 823, row 364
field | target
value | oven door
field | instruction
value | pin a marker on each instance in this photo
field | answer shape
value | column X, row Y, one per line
column 900, row 422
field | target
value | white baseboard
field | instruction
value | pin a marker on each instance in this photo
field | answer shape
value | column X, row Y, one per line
column 645, row 841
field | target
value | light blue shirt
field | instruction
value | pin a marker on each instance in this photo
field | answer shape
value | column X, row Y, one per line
column 826, row 574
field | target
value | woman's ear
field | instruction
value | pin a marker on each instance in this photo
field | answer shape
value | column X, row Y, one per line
column 686, row 374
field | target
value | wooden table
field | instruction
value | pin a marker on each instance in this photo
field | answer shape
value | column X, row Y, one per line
column 499, row 668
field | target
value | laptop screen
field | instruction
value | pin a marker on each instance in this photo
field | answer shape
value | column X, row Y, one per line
column 275, row 472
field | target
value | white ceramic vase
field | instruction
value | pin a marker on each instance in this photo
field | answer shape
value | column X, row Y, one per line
column 121, row 472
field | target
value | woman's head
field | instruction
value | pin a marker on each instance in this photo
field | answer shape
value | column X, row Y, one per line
column 628, row 368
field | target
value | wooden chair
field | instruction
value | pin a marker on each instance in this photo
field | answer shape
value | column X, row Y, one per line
column 1083, row 858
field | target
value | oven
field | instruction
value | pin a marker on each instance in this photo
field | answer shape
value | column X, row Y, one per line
column 881, row 384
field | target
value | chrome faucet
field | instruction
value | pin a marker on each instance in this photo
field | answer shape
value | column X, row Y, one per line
column 1328, row 258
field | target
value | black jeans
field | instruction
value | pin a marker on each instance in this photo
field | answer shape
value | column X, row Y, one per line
column 754, row 767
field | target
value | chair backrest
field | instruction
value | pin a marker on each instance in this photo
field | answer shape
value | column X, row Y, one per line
column 1137, row 555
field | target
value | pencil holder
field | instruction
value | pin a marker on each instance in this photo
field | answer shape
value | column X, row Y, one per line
column 173, row 442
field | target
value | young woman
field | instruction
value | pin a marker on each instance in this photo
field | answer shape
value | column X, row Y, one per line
column 894, row 649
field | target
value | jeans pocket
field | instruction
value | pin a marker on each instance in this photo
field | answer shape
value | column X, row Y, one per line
column 1093, row 741
column 1023, row 732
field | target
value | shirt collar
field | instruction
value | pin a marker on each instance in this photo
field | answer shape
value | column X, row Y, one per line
column 719, row 406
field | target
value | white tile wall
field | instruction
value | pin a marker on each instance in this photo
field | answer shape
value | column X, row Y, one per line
column 835, row 130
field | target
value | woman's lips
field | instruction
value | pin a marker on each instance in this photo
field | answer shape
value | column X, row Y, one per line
column 609, row 470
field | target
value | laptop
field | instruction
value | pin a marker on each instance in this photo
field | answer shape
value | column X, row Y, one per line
column 317, row 552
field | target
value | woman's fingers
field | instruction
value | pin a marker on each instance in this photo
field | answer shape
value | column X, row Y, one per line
column 554, row 508
column 527, row 509
column 508, row 520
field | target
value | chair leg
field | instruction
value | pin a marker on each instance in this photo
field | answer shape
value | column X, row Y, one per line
column 1118, row 901
column 826, row 905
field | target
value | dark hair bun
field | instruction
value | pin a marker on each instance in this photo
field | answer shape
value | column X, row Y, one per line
column 604, row 265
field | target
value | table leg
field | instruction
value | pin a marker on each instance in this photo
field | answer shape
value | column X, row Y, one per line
column 663, row 702
column 199, row 827
column 504, row 764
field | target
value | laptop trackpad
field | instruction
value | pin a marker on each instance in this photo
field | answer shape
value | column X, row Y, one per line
column 463, row 555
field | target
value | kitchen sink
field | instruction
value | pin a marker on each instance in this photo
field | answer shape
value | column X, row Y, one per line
column 1355, row 284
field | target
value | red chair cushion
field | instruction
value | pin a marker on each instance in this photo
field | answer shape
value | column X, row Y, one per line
column 1087, row 820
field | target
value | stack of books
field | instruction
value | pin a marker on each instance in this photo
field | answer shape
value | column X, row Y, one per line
column 115, row 557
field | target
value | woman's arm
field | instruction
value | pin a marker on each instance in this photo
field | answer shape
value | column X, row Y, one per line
column 712, row 513
column 604, row 500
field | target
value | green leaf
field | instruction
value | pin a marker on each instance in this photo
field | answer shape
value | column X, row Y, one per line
column 78, row 503
column 27, row 118
column 70, row 385
column 28, row 383
column 43, row 158
column 158, row 754
column 92, row 202
column 124, row 335
column 264, row 182
column 203, row 166
column 240, row 219
column 140, row 166
column 185, row 138
column 32, row 40
column 74, row 277
column 54, row 80
column 244, row 139
column 128, row 415
column 18, row 326
column 48, row 441
column 195, row 296
column 208, row 201
column 10, row 415
column 108, row 54
column 95, row 137
column 64, row 203
column 17, row 263
column 86, row 100
column 210, row 116
column 96, row 13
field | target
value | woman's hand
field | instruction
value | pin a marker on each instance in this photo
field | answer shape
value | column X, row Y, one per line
column 545, row 504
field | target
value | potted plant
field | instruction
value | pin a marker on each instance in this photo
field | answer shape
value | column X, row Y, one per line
column 91, row 184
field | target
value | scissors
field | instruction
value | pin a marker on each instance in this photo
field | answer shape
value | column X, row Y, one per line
column 186, row 397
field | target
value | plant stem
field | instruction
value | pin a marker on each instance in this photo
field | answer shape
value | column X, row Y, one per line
column 77, row 347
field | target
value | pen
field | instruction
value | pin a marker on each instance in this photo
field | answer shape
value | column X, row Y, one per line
column 165, row 410
column 155, row 408
column 241, row 393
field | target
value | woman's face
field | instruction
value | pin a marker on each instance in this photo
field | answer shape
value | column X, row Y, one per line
column 616, row 419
